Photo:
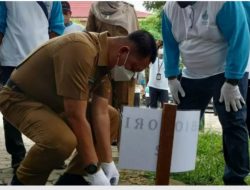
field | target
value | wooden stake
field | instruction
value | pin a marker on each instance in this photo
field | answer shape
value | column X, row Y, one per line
column 165, row 144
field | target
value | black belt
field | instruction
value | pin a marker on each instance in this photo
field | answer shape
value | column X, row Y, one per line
column 13, row 86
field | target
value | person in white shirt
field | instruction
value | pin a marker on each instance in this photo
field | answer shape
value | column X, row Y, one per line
column 69, row 25
column 147, row 96
column 158, row 84
column 139, row 87
column 212, row 38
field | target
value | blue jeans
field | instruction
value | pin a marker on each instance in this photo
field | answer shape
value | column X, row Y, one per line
column 157, row 95
column 235, row 135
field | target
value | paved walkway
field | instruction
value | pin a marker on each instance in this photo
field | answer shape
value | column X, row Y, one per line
column 211, row 123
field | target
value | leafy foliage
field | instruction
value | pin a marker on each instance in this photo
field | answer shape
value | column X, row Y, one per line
column 152, row 24
column 153, row 5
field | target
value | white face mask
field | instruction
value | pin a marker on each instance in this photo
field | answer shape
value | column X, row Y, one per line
column 120, row 73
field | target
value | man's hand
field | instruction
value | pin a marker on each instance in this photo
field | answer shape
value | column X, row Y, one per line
column 175, row 88
column 98, row 178
column 231, row 95
column 111, row 172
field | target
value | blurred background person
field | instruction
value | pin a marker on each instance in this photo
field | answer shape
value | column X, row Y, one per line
column 158, row 84
column 147, row 96
column 139, row 87
column 119, row 19
column 69, row 25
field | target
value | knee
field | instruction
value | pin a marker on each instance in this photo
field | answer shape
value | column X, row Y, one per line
column 114, row 115
column 64, row 146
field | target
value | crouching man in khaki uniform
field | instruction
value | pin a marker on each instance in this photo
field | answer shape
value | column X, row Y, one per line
column 56, row 80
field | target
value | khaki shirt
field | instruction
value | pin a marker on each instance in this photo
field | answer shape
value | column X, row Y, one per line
column 69, row 66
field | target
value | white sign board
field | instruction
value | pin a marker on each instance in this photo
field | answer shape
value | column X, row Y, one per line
column 140, row 139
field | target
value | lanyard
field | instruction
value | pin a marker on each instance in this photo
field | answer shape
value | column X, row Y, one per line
column 159, row 65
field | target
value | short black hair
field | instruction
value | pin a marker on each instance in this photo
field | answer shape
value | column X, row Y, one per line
column 144, row 43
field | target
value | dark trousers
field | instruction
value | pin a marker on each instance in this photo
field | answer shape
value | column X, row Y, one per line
column 13, row 138
column 235, row 134
column 137, row 100
column 157, row 95
column 248, row 108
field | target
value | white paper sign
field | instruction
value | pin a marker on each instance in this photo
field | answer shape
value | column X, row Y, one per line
column 140, row 139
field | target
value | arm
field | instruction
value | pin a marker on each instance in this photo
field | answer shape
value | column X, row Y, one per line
column 232, row 22
column 75, row 112
column 171, row 49
column 101, row 127
column 56, row 20
column 171, row 59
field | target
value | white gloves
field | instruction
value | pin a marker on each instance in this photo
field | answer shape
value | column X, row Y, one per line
column 111, row 172
column 231, row 95
column 175, row 87
column 106, row 175
column 98, row 178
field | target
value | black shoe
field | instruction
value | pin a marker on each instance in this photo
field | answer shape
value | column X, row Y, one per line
column 235, row 182
column 15, row 181
column 71, row 179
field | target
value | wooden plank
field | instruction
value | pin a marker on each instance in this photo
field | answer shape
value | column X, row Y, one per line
column 165, row 144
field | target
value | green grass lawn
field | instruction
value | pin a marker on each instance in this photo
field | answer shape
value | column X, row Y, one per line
column 209, row 163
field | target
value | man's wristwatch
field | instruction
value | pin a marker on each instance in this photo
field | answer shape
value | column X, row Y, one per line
column 233, row 82
column 91, row 168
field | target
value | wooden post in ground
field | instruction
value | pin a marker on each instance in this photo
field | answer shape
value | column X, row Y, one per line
column 165, row 144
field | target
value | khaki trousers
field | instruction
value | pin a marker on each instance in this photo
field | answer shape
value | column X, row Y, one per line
column 114, row 116
column 53, row 138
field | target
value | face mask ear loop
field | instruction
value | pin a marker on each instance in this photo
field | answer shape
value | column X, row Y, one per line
column 118, row 60
column 126, row 59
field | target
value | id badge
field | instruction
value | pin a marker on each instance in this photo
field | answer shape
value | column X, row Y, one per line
column 158, row 76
